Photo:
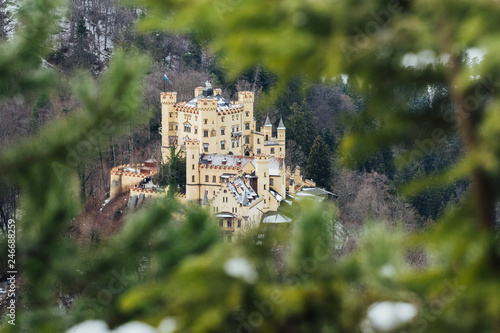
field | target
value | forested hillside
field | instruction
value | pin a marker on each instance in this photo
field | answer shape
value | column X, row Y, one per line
column 410, row 151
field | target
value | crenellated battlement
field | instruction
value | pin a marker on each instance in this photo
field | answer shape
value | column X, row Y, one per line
column 245, row 97
column 168, row 97
column 262, row 157
column 186, row 108
column 192, row 142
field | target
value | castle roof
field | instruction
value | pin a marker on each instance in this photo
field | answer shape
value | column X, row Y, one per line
column 275, row 163
column 208, row 93
column 281, row 125
column 242, row 191
column 268, row 122
column 227, row 160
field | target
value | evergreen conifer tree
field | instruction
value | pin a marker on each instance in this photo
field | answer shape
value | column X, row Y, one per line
column 318, row 166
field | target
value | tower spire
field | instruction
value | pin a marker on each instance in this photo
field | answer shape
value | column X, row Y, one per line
column 281, row 125
column 268, row 122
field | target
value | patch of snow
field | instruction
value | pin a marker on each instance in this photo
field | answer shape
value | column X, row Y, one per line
column 241, row 268
column 167, row 325
column 387, row 316
column 105, row 203
column 100, row 326
column 88, row 326
column 387, row 271
column 134, row 327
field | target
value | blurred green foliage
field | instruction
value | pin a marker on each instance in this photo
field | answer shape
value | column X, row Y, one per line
column 168, row 262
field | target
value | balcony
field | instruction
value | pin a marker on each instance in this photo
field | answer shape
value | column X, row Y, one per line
column 236, row 134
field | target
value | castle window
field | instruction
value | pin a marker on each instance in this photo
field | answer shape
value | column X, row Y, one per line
column 271, row 182
column 187, row 128
column 205, row 147
column 176, row 114
column 213, row 133
column 233, row 116
column 229, row 224
column 205, row 134
column 171, row 114
column 239, row 223
column 258, row 141
column 264, row 175
column 195, row 117
column 267, row 137
column 170, row 126
column 247, row 126
column 237, row 117
column 237, row 128
column 206, row 179
column 222, row 131
column 222, row 119
column 176, row 127
column 193, row 167
column 247, row 140
column 247, row 113
column 232, row 143
column 237, row 142
column 264, row 186
column 223, row 145
column 258, row 151
column 280, row 148
column 195, row 130
column 272, row 150
column 236, row 209
column 214, row 180
column 193, row 179
column 221, row 223
column 205, row 121
column 264, row 200
column 232, row 129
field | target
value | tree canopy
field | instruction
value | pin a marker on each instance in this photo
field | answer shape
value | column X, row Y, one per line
column 167, row 266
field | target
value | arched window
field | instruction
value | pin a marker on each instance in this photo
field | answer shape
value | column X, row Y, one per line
column 205, row 134
column 187, row 128
column 232, row 143
column 205, row 121
column 247, row 126
column 223, row 145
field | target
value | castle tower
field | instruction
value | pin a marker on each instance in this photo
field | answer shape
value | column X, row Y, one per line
column 168, row 135
column 267, row 129
column 246, row 98
column 281, row 138
column 262, row 173
column 192, row 170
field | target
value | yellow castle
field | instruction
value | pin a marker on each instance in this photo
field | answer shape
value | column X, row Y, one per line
column 239, row 171
column 236, row 170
